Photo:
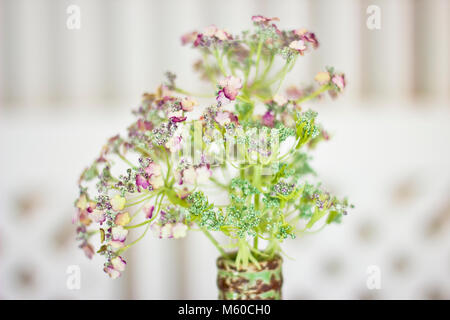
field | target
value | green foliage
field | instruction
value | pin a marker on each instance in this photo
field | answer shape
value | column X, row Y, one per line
column 243, row 218
column 243, row 187
column 91, row 172
column 284, row 231
column 243, row 110
column 314, row 204
column 306, row 129
column 202, row 212
column 284, row 132
column 299, row 166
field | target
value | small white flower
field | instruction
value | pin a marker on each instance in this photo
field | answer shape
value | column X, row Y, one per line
column 298, row 45
column 189, row 175
column 280, row 100
column 119, row 233
column 97, row 216
column 156, row 182
column 118, row 202
column 179, row 230
column 222, row 118
column 166, row 231
column 118, row 263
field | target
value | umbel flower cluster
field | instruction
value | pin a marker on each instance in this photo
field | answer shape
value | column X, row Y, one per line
column 232, row 162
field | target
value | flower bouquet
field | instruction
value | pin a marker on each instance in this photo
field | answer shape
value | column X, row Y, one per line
column 231, row 163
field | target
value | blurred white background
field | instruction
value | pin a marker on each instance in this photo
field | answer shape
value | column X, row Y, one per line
column 64, row 92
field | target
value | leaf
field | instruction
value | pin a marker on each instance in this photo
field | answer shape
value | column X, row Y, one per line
column 91, row 173
column 102, row 249
column 173, row 197
column 243, row 109
column 102, row 235
column 332, row 216
column 317, row 215
column 279, row 174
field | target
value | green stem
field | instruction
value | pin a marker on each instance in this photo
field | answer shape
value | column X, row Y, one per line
column 242, row 171
column 139, row 210
column 218, row 183
column 247, row 71
column 322, row 89
column 244, row 99
column 141, row 224
column 215, row 243
column 230, row 65
column 289, row 65
column 255, row 242
column 140, row 196
column 138, row 225
column 258, row 57
column 125, row 160
column 143, row 151
column 135, row 241
column 262, row 254
column 275, row 78
column 140, row 201
column 266, row 71
column 219, row 62
column 137, row 202
column 209, row 72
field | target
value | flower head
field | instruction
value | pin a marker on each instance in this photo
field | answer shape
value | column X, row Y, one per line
column 83, row 218
column 262, row 20
column 118, row 263
column 178, row 118
column 268, row 119
column 293, row 92
column 97, row 216
column 166, row 231
column 156, row 182
column 122, row 219
column 119, row 233
column 143, row 125
column 88, row 250
column 112, row 273
column 189, row 175
column 148, row 210
column 179, row 230
column 81, row 202
column 211, row 34
column 222, row 118
column 153, row 169
column 188, row 104
column 280, row 100
column 141, row 182
column 298, row 45
column 339, row 81
column 183, row 193
column 116, row 245
column 322, row 77
column 118, row 202
column 229, row 88
column 307, row 36
column 189, row 37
